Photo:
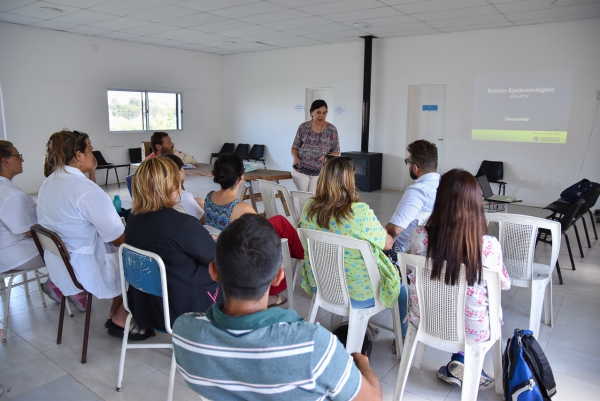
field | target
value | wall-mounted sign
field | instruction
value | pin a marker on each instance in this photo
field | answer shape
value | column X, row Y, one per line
column 430, row 107
column 341, row 110
column 299, row 108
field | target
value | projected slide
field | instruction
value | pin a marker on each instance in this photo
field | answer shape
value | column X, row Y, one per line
column 522, row 106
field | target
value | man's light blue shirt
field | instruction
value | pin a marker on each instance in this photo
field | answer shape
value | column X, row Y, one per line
column 418, row 197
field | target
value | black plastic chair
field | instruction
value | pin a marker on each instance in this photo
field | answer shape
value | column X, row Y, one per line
column 242, row 150
column 135, row 156
column 226, row 148
column 494, row 172
column 256, row 154
column 566, row 221
column 104, row 165
column 560, row 207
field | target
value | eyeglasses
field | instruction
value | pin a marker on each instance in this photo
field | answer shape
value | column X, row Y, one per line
column 18, row 154
column 407, row 162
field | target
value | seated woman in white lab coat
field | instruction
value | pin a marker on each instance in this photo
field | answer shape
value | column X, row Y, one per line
column 82, row 214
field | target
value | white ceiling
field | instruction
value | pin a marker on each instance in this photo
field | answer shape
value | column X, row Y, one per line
column 238, row 26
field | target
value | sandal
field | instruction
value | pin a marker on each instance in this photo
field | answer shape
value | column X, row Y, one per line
column 135, row 333
column 374, row 331
column 280, row 301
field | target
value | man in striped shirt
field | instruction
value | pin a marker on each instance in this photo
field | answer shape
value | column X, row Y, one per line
column 242, row 350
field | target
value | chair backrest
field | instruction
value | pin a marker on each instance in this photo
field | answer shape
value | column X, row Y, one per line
column 518, row 235
column 135, row 155
column 493, row 170
column 268, row 191
column 99, row 158
column 590, row 200
column 146, row 272
column 442, row 307
column 257, row 152
column 301, row 197
column 242, row 149
column 326, row 254
column 227, row 147
column 567, row 219
column 128, row 181
column 46, row 239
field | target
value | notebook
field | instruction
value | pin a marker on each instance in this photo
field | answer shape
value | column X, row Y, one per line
column 488, row 194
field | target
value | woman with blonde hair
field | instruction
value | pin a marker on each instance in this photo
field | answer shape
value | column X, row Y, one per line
column 179, row 239
column 83, row 215
column 336, row 207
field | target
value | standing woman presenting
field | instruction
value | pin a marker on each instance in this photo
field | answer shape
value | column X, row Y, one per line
column 314, row 140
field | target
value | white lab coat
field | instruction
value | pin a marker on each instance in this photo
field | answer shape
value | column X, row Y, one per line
column 82, row 214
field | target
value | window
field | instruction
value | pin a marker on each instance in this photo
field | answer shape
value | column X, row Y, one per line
column 143, row 110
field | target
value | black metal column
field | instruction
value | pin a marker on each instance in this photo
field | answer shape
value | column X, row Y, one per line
column 364, row 142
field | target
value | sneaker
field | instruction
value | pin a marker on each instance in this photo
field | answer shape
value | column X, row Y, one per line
column 79, row 301
column 456, row 368
column 51, row 291
column 446, row 376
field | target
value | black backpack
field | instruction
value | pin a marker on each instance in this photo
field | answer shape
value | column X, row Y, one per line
column 526, row 373
column 578, row 191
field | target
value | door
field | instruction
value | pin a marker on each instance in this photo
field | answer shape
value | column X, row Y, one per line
column 425, row 120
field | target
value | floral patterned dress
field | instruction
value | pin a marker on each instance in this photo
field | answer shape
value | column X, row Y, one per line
column 477, row 319
column 362, row 225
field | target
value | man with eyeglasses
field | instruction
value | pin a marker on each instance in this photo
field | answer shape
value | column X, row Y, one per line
column 419, row 196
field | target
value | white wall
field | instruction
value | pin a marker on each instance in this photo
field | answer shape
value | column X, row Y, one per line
column 51, row 80
column 260, row 90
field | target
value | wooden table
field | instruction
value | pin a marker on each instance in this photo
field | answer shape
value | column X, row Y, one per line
column 205, row 169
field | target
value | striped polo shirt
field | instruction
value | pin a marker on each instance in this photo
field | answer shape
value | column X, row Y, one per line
column 269, row 355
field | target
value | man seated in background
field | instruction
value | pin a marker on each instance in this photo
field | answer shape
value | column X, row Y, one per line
column 243, row 350
column 418, row 197
column 161, row 144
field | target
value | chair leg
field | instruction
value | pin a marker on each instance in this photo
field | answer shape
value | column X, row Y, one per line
column 472, row 371
column 397, row 324
column 537, row 303
column 560, row 280
column 593, row 224
column 570, row 252
column 106, row 181
column 407, row 356
column 124, row 352
column 497, row 357
column 6, row 304
column 587, row 235
column 117, row 175
column 25, row 283
column 548, row 312
column 314, row 308
column 357, row 327
column 86, row 332
column 578, row 239
column 171, row 378
column 61, row 318
column 39, row 284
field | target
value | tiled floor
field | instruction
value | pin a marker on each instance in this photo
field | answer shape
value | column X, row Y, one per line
column 34, row 367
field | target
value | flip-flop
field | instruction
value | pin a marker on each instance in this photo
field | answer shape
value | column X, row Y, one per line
column 110, row 325
column 280, row 301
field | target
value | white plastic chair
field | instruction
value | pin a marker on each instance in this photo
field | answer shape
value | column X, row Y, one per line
column 442, row 326
column 290, row 267
column 269, row 190
column 326, row 253
column 10, row 275
column 301, row 197
column 518, row 237
column 145, row 271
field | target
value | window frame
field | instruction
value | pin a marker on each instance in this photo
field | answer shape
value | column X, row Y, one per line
column 145, row 109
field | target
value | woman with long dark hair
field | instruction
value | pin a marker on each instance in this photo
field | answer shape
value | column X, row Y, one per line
column 454, row 234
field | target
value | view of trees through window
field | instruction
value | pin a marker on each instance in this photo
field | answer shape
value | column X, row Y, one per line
column 143, row 110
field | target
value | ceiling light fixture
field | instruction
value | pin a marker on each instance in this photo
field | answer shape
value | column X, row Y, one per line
column 51, row 10
column 360, row 25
